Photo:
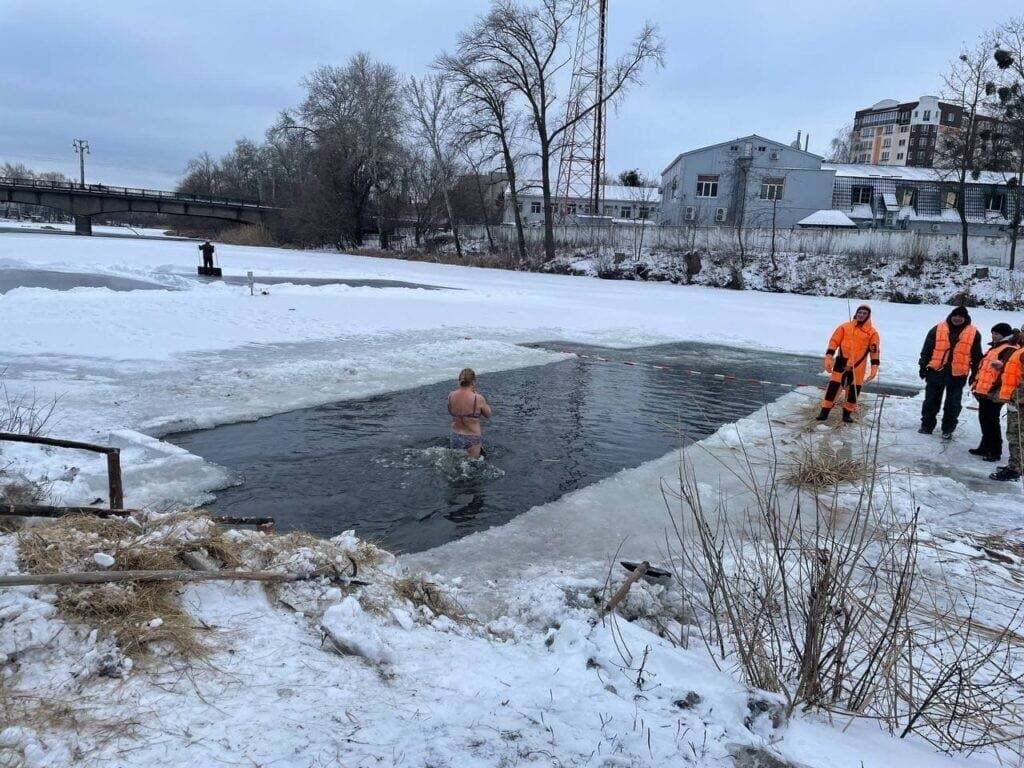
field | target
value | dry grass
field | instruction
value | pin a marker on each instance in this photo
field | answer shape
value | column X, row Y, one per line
column 123, row 611
column 821, row 465
column 418, row 591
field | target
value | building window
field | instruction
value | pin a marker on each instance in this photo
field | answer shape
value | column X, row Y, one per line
column 949, row 199
column 888, row 129
column 643, row 213
column 707, row 186
column 626, row 213
column 927, row 115
column 885, row 156
column 899, row 156
column 903, row 142
column 915, row 113
column 865, row 133
column 887, row 143
column 761, row 149
column 861, row 195
column 535, row 206
column 995, row 202
column 771, row 189
column 906, row 196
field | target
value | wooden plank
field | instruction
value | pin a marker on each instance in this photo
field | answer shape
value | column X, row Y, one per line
column 33, row 510
column 110, row 577
column 37, row 440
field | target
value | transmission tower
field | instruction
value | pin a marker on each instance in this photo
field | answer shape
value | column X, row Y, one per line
column 581, row 162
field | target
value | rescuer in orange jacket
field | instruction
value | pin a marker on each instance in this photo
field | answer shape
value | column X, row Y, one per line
column 986, row 385
column 852, row 346
column 1011, row 392
column 950, row 354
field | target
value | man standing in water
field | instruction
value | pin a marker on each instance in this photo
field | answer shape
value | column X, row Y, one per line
column 467, row 407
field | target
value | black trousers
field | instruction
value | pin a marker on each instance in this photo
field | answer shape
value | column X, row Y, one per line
column 937, row 385
column 988, row 418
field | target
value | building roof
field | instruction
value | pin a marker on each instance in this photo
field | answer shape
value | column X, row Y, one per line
column 909, row 173
column 611, row 192
column 751, row 137
column 826, row 218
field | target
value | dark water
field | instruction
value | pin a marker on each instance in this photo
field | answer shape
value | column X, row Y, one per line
column 381, row 465
column 65, row 281
column 317, row 281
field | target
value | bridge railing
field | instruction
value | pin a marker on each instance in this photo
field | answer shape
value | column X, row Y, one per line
column 104, row 189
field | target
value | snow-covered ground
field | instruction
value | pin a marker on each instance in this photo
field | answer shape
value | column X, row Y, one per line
column 533, row 680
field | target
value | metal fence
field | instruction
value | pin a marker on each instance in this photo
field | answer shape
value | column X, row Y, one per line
column 135, row 192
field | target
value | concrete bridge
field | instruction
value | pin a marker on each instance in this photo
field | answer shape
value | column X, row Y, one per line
column 85, row 201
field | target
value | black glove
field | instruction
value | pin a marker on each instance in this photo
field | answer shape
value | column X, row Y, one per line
column 922, row 372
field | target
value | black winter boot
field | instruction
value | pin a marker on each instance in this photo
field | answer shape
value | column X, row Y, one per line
column 847, row 417
column 823, row 415
column 1004, row 474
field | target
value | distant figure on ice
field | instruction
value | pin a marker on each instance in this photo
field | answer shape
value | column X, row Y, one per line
column 986, row 385
column 467, row 407
column 850, row 348
column 951, row 353
column 207, row 251
column 1011, row 392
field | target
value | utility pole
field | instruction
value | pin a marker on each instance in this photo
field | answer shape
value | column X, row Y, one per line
column 81, row 149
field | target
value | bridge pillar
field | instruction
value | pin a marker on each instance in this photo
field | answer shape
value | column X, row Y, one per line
column 83, row 225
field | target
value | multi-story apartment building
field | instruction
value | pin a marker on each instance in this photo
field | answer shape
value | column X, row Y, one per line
column 894, row 133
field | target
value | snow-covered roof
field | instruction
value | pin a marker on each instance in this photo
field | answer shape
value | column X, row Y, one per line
column 826, row 218
column 906, row 173
column 610, row 192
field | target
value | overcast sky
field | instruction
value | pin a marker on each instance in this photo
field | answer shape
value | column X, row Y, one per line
column 151, row 84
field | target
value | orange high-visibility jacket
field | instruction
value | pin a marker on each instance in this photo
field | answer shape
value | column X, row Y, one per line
column 1011, row 375
column 961, row 351
column 989, row 379
column 853, row 344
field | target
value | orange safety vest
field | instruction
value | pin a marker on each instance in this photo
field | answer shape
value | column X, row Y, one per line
column 1011, row 375
column 989, row 378
column 961, row 352
column 853, row 343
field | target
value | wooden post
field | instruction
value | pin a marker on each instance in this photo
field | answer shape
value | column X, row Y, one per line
column 624, row 589
column 114, row 479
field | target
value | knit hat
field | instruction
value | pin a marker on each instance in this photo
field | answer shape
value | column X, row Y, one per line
column 1002, row 329
column 962, row 311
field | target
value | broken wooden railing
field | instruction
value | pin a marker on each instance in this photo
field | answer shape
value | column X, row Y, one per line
column 114, row 484
column 116, row 489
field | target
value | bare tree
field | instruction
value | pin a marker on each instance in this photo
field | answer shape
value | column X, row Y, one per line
column 840, row 147
column 435, row 119
column 643, row 195
column 490, row 119
column 958, row 153
column 1009, row 59
column 526, row 47
column 354, row 113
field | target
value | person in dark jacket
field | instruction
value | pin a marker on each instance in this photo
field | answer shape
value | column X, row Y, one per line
column 950, row 355
column 207, row 251
column 986, row 387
